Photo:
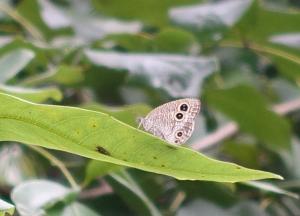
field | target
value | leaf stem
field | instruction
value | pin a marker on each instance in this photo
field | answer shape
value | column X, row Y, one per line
column 180, row 197
column 31, row 29
column 56, row 162
column 263, row 49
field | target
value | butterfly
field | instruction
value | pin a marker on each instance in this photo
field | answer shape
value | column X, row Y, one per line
column 173, row 121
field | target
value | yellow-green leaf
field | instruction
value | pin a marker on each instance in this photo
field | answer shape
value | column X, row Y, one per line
column 99, row 136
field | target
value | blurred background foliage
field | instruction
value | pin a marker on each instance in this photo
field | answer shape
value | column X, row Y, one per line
column 122, row 57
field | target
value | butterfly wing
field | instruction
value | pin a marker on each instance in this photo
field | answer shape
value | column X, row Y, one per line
column 173, row 121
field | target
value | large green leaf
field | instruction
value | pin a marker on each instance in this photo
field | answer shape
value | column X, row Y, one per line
column 6, row 208
column 98, row 136
column 127, row 114
column 248, row 108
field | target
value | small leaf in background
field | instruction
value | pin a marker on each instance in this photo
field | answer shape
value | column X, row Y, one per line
column 268, row 187
column 257, row 27
column 247, row 107
column 97, row 169
column 246, row 208
column 214, row 17
column 86, row 24
column 13, row 62
column 4, row 40
column 90, row 135
column 42, row 52
column 37, row 95
column 291, row 40
column 153, row 13
column 207, row 190
column 245, row 154
column 15, row 165
column 33, row 197
column 124, row 185
column 6, row 208
column 179, row 76
column 168, row 40
column 72, row 209
column 63, row 75
column 258, row 23
column 173, row 40
column 285, row 90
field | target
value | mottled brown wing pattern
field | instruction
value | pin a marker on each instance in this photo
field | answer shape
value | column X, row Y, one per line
column 173, row 121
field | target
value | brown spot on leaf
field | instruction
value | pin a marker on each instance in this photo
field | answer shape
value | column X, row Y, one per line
column 163, row 165
column 154, row 157
column 102, row 150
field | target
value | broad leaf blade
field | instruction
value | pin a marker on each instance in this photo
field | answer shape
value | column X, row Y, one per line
column 98, row 136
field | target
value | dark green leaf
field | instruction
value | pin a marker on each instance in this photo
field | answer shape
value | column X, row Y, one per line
column 247, row 107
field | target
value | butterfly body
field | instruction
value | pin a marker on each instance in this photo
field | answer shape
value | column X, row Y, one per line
column 173, row 121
